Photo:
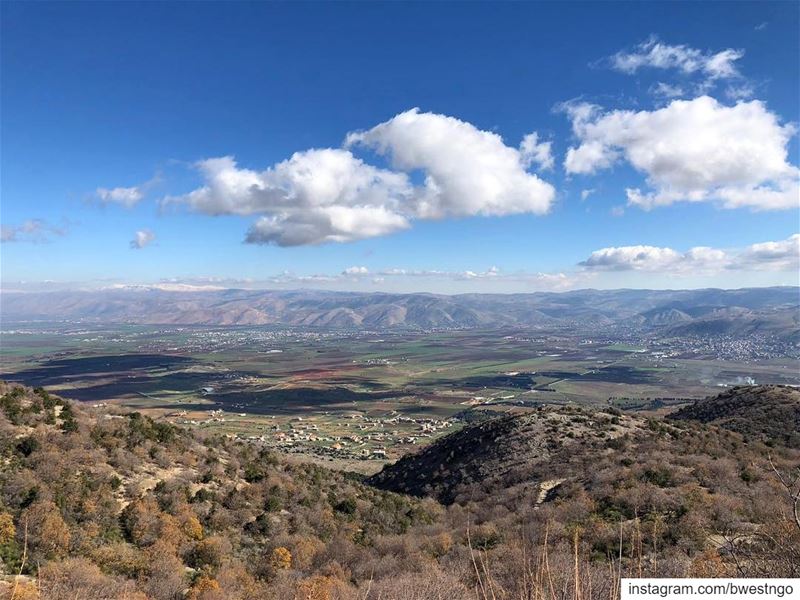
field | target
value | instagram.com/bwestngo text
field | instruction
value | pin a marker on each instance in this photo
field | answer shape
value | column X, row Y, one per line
column 717, row 589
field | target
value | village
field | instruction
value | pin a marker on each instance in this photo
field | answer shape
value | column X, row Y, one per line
column 353, row 436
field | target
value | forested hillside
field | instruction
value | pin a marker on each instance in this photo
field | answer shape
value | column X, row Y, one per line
column 770, row 413
column 96, row 504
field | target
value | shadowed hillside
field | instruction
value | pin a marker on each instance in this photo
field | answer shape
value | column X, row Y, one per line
column 501, row 452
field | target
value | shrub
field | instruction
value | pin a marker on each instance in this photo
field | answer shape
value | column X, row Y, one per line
column 347, row 506
column 7, row 529
column 280, row 559
column 661, row 476
column 27, row 446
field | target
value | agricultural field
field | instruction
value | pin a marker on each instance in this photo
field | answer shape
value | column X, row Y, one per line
column 357, row 398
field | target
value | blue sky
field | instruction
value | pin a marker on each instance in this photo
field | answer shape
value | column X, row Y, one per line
column 110, row 111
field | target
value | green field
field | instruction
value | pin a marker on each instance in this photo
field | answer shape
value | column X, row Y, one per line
column 246, row 381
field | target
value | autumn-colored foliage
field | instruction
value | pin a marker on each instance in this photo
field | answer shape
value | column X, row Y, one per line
column 7, row 529
column 120, row 506
column 280, row 558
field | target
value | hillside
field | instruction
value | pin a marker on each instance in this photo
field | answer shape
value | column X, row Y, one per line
column 115, row 505
column 688, row 486
column 559, row 444
column 770, row 413
column 772, row 311
column 501, row 452
column 106, row 504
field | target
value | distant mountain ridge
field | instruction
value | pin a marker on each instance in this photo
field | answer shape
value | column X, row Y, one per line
column 767, row 310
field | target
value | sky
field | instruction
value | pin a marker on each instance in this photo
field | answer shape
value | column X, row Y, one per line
column 440, row 147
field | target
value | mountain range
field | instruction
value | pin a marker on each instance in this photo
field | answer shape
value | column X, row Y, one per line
column 743, row 311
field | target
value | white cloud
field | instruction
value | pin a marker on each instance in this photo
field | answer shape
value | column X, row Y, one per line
column 142, row 238
column 330, row 195
column 655, row 54
column 773, row 256
column 32, row 230
column 653, row 258
column 589, row 157
column 692, row 150
column 350, row 271
column 319, row 225
column 631, row 258
column 315, row 178
column 586, row 193
column 125, row 196
column 534, row 152
column 777, row 256
column 467, row 171
column 315, row 196
column 698, row 71
column 491, row 272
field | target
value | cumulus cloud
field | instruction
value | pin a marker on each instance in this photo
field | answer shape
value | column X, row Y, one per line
column 586, row 193
column 356, row 271
column 655, row 54
column 330, row 195
column 691, row 150
column 32, row 230
column 325, row 224
column 142, row 238
column 631, row 258
column 315, row 196
column 467, row 171
column 316, row 178
column 775, row 256
column 779, row 256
